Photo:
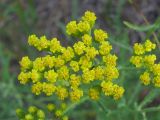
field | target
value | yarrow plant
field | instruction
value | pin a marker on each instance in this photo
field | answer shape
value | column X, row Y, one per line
column 86, row 69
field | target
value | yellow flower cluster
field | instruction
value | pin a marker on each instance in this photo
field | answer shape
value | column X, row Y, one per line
column 58, row 111
column 143, row 59
column 66, row 70
column 33, row 113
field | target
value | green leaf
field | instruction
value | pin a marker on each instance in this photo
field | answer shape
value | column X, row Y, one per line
column 143, row 28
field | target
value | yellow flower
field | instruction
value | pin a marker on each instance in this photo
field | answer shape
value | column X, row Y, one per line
column 149, row 46
column 48, row 61
column 35, row 76
column 91, row 52
column 75, row 81
column 37, row 88
column 85, row 63
column 90, row 17
column 156, row 81
column 71, row 27
column 107, row 88
column 32, row 109
column 105, row 48
column 74, row 65
column 25, row 63
column 138, row 49
column 51, row 76
column 63, row 73
column 61, row 92
column 137, row 61
column 111, row 73
column 79, row 48
column 59, row 61
column 94, row 94
column 100, row 35
column 68, row 54
column 58, row 113
column 87, row 39
column 76, row 94
column 88, row 76
column 99, row 73
column 155, row 69
column 48, row 88
column 33, row 40
column 50, row 107
column 24, row 77
column 117, row 92
column 149, row 59
column 110, row 60
column 38, row 64
column 145, row 78
column 83, row 27
column 55, row 45
column 43, row 43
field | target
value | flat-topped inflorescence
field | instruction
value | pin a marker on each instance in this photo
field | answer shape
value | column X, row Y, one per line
column 64, row 71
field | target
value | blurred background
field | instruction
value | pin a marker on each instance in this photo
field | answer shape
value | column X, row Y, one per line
column 20, row 18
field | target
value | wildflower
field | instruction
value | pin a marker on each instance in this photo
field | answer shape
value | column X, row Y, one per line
column 87, row 39
column 148, row 45
column 136, row 60
column 61, row 92
column 55, row 45
column 111, row 73
column 105, row 48
column 48, row 88
column 90, row 17
column 99, row 73
column 71, row 28
column 107, row 88
column 100, row 35
column 43, row 43
column 145, row 78
column 40, row 114
column 88, row 76
column 149, row 59
column 139, row 49
column 75, row 81
column 38, row 64
column 79, row 48
column 63, row 73
column 117, row 92
column 94, row 94
column 83, row 27
column 155, row 69
column 91, row 52
column 76, row 94
column 68, row 54
column 33, row 40
column 74, row 65
column 37, row 88
column 49, row 61
column 35, row 76
column 23, row 77
column 59, row 61
column 156, row 81
column 110, row 60
column 50, row 107
column 25, row 63
column 51, row 76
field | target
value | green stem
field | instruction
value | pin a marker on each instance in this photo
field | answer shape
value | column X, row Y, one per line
column 72, row 106
column 135, row 93
column 151, row 109
column 103, row 108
